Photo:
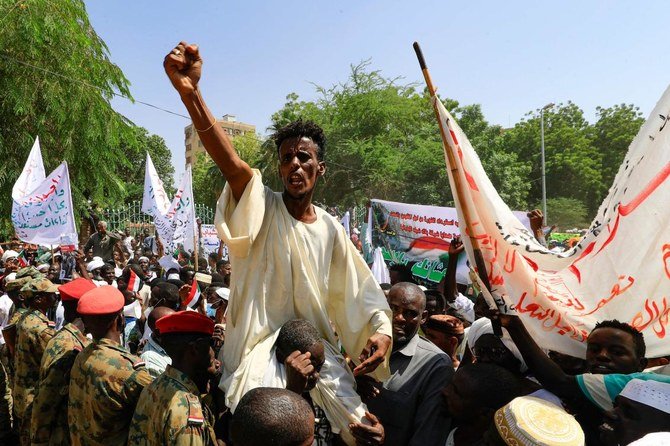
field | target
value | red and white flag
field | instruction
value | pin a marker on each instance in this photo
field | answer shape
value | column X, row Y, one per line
column 193, row 296
column 619, row 270
column 134, row 283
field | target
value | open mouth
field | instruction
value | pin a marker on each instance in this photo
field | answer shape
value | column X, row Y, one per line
column 601, row 370
column 606, row 428
column 295, row 180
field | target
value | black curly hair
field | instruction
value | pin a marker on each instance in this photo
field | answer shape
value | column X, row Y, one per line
column 300, row 129
column 638, row 337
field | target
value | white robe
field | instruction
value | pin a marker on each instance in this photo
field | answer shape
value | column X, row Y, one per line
column 284, row 269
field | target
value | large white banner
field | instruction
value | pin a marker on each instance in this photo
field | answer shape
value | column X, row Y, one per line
column 418, row 234
column 32, row 174
column 46, row 214
column 619, row 270
column 209, row 241
column 156, row 202
column 181, row 215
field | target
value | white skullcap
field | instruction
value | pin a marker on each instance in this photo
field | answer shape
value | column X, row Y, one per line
column 484, row 326
column 530, row 421
column 9, row 254
column 173, row 276
column 143, row 258
column 43, row 267
column 95, row 264
column 223, row 293
column 651, row 393
column 653, row 439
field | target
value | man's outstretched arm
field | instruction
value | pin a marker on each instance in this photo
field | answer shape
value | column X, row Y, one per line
column 183, row 65
column 541, row 366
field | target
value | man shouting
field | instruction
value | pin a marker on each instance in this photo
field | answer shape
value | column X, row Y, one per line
column 290, row 259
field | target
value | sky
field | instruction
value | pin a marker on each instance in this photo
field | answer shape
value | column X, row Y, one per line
column 511, row 57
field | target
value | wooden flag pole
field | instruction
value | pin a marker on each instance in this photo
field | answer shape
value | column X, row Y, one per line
column 479, row 259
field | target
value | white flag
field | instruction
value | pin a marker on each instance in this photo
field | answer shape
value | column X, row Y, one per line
column 619, row 270
column 346, row 222
column 46, row 214
column 182, row 215
column 155, row 201
column 379, row 269
column 32, row 175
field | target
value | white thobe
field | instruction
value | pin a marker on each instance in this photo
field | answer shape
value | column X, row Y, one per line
column 284, row 269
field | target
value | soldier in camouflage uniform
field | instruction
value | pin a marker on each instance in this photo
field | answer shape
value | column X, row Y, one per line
column 106, row 380
column 49, row 424
column 33, row 331
column 170, row 411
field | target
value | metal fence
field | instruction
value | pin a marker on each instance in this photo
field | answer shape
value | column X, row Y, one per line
column 131, row 216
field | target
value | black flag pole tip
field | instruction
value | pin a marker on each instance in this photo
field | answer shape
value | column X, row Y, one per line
column 419, row 55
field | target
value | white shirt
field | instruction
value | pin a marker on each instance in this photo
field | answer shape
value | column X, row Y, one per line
column 155, row 358
column 285, row 269
column 5, row 306
column 464, row 306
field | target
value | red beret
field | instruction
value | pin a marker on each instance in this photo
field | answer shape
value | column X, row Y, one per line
column 103, row 300
column 75, row 289
column 185, row 322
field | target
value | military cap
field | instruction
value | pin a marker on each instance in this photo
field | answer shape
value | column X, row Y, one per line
column 29, row 271
column 17, row 284
column 100, row 301
column 36, row 286
column 185, row 322
column 75, row 289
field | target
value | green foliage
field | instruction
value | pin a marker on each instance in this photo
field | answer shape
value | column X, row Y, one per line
column 208, row 181
column 581, row 158
column 612, row 134
column 136, row 150
column 57, row 80
column 383, row 142
column 567, row 213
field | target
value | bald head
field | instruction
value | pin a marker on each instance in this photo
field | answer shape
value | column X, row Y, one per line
column 267, row 416
column 156, row 314
column 410, row 293
column 408, row 304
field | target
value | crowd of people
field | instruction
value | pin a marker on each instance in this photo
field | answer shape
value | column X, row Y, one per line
column 290, row 340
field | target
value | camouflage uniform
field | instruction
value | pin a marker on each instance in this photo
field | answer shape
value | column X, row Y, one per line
column 33, row 332
column 105, row 384
column 49, row 415
column 170, row 412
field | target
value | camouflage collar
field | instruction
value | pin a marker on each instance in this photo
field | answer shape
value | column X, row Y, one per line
column 181, row 378
column 76, row 333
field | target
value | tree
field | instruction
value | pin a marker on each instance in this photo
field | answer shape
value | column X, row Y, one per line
column 383, row 142
column 613, row 132
column 208, row 181
column 136, row 150
column 567, row 213
column 57, row 80
column 572, row 162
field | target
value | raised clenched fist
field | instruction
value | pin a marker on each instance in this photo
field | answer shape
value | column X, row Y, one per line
column 183, row 65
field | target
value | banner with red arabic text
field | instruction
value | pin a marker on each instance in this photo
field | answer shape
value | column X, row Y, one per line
column 619, row 270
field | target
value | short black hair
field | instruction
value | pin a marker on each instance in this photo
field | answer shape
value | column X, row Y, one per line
column 440, row 302
column 300, row 129
column 638, row 337
column 271, row 417
column 168, row 295
column 296, row 334
column 404, row 272
column 221, row 263
column 493, row 386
